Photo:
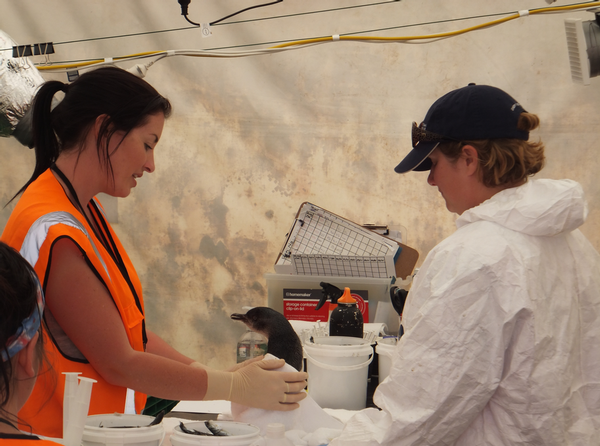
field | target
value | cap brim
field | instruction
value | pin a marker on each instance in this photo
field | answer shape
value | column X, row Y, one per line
column 417, row 158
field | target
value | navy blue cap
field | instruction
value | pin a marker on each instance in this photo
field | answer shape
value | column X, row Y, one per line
column 469, row 113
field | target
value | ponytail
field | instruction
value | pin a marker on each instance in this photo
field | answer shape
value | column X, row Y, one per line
column 528, row 121
column 45, row 141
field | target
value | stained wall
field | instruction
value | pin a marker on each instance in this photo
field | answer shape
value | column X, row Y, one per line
column 251, row 138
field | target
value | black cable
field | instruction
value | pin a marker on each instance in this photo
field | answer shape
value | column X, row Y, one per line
column 244, row 10
column 312, row 12
column 193, row 23
column 184, row 10
column 278, row 42
column 276, row 17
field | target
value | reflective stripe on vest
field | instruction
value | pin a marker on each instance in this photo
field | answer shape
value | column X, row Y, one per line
column 30, row 249
column 130, row 402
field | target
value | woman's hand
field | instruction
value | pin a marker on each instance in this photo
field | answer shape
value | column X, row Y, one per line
column 233, row 368
column 255, row 384
column 245, row 363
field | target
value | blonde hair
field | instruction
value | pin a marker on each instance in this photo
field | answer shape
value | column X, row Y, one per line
column 504, row 161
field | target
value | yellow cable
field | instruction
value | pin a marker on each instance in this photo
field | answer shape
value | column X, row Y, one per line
column 349, row 38
column 93, row 62
column 564, row 8
column 399, row 39
column 440, row 35
column 67, row 66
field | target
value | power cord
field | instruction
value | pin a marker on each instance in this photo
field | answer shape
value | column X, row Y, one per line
column 216, row 53
column 244, row 10
column 184, row 11
column 185, row 3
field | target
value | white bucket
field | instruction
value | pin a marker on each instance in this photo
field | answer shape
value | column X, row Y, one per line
column 110, row 435
column 384, row 352
column 240, row 434
column 338, row 371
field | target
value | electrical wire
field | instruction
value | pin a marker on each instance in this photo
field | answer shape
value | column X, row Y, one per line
column 216, row 23
column 196, row 25
column 184, row 11
column 320, row 11
column 185, row 3
column 314, row 41
column 446, row 34
column 244, row 10
column 193, row 23
column 91, row 39
column 160, row 55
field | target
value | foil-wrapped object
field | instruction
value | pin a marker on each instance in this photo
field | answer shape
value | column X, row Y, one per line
column 19, row 80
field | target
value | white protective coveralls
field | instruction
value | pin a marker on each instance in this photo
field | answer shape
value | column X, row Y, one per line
column 502, row 332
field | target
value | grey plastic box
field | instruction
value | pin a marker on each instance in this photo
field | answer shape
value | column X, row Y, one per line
column 379, row 292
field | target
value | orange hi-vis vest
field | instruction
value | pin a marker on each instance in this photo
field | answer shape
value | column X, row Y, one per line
column 25, row 440
column 42, row 216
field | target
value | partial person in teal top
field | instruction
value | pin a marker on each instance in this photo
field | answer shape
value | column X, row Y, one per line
column 21, row 353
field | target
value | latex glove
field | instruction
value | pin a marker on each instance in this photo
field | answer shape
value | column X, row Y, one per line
column 245, row 363
column 233, row 368
column 254, row 385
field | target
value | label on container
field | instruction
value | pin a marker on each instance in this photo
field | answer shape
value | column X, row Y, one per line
column 248, row 349
column 301, row 304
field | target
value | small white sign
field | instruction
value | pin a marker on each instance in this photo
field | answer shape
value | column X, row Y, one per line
column 205, row 30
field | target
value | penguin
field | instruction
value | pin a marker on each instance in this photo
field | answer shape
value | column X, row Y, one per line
column 283, row 340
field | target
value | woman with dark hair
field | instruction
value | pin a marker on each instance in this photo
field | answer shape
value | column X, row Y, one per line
column 21, row 352
column 101, row 138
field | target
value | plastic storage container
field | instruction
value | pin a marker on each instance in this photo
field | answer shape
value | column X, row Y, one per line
column 385, row 350
column 378, row 289
column 240, row 434
column 251, row 345
column 121, row 430
column 338, row 371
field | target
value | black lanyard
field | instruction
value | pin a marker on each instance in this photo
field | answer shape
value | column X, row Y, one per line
column 103, row 234
column 5, row 421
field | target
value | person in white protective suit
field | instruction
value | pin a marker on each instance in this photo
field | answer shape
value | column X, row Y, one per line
column 502, row 322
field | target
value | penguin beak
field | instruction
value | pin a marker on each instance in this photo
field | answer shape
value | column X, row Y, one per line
column 238, row 317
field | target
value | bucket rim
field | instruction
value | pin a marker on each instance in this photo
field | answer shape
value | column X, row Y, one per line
column 123, row 418
column 339, row 368
column 350, row 341
column 339, row 351
column 178, row 433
